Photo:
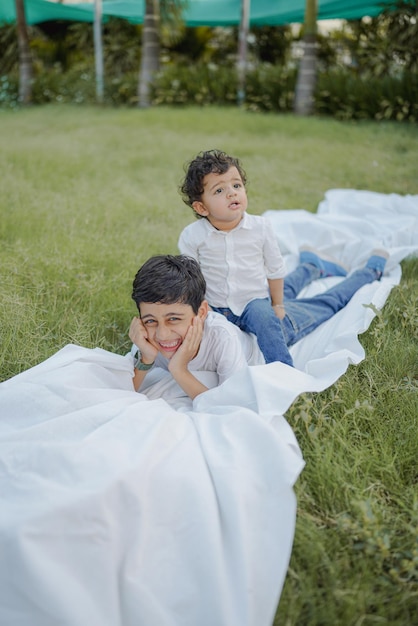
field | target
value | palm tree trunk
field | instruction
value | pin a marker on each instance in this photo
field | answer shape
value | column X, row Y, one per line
column 305, row 86
column 25, row 57
column 150, row 58
column 98, row 50
column 242, row 49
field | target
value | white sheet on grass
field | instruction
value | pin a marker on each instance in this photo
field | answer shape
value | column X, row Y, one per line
column 122, row 510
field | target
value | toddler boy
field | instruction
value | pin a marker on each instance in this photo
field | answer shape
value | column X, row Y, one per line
column 243, row 267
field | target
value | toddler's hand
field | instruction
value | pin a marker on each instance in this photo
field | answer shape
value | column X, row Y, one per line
column 280, row 311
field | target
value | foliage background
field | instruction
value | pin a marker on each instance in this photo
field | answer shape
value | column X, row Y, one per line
column 367, row 69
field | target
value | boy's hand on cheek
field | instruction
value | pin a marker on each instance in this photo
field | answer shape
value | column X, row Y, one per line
column 189, row 347
column 139, row 336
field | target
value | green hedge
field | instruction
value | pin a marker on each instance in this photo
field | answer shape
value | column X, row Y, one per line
column 346, row 96
column 340, row 93
column 200, row 84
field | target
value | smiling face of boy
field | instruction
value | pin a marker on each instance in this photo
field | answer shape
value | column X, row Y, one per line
column 224, row 199
column 167, row 324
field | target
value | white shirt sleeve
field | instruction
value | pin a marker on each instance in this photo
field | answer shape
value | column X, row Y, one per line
column 230, row 358
column 222, row 349
column 187, row 244
column 273, row 260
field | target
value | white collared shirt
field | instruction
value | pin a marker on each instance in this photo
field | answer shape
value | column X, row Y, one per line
column 235, row 263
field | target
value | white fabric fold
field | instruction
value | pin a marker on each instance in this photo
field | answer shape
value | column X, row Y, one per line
column 117, row 509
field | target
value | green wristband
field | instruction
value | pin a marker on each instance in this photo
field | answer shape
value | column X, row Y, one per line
column 139, row 365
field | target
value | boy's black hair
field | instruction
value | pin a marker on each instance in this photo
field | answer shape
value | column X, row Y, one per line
column 167, row 279
column 208, row 162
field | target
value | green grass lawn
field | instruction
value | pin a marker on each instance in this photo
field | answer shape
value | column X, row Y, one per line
column 88, row 194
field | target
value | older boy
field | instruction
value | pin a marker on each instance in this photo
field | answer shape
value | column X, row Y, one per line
column 176, row 331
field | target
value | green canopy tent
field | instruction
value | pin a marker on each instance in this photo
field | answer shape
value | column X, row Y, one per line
column 197, row 13
column 275, row 12
column 43, row 11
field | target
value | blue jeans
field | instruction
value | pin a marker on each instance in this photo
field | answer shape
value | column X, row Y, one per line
column 303, row 315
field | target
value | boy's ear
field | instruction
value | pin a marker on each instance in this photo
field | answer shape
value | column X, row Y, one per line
column 199, row 208
column 203, row 309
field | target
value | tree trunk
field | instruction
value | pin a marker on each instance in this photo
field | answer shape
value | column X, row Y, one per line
column 242, row 50
column 305, row 86
column 25, row 57
column 150, row 58
column 98, row 50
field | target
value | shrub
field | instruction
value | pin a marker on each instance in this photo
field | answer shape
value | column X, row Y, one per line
column 76, row 86
column 200, row 84
column 270, row 88
column 339, row 93
column 9, row 91
column 346, row 96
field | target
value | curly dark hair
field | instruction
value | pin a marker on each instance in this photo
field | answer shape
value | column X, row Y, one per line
column 208, row 162
column 167, row 279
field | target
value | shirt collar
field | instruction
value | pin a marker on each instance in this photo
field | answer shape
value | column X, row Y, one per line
column 242, row 224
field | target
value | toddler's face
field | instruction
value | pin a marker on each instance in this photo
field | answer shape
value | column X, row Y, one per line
column 224, row 199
